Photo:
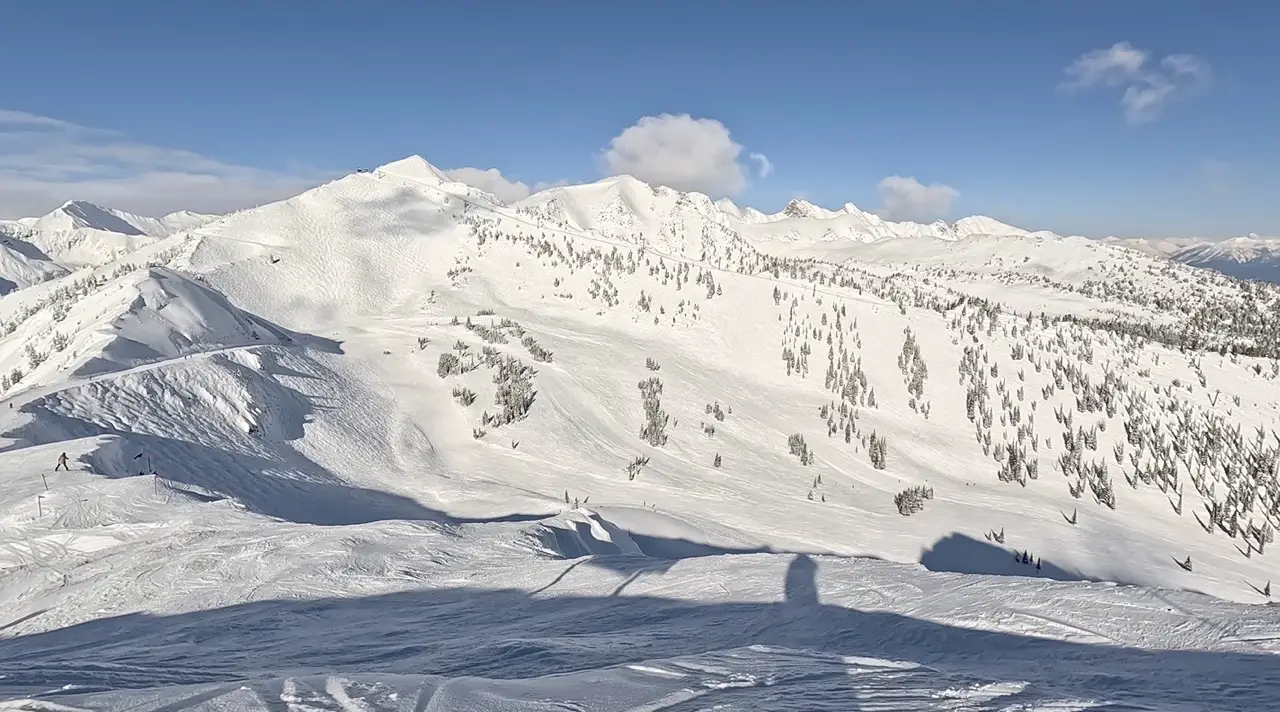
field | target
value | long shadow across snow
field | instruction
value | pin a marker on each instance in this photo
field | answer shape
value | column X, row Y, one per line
column 658, row 553
column 510, row 634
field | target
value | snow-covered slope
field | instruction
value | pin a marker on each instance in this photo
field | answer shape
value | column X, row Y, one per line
column 22, row 265
column 391, row 443
column 1250, row 257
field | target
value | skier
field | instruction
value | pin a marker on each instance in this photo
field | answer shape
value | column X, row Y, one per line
column 62, row 463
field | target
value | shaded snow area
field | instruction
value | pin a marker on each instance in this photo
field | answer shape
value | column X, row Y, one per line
column 426, row 617
column 395, row 445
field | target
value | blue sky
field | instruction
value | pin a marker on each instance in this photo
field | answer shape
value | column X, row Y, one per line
column 150, row 105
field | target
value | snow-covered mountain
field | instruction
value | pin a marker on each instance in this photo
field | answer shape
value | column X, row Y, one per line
column 80, row 234
column 1250, row 257
column 393, row 444
column 625, row 208
column 80, row 215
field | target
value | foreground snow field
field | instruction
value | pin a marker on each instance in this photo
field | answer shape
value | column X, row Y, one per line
column 392, row 444
column 747, row 631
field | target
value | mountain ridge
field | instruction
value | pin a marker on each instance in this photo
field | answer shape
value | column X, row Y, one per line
column 848, row 222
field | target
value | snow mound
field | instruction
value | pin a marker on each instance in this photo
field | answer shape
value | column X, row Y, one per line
column 585, row 533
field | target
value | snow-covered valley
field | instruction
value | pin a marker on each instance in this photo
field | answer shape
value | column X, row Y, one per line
column 392, row 444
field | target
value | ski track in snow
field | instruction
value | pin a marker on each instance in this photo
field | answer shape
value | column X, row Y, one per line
column 324, row 530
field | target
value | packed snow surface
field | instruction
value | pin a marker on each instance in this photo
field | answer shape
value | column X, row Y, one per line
column 394, row 445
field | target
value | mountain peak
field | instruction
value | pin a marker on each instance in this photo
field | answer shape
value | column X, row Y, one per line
column 416, row 168
column 798, row 208
column 80, row 214
column 983, row 225
column 626, row 179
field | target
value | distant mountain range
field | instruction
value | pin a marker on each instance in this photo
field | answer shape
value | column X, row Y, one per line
column 1250, row 257
column 79, row 233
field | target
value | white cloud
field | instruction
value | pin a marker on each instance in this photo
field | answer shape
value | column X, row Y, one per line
column 1148, row 88
column 908, row 199
column 491, row 180
column 46, row 161
column 766, row 166
column 681, row 152
column 1115, row 66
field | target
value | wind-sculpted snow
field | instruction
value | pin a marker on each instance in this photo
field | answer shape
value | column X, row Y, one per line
column 394, row 444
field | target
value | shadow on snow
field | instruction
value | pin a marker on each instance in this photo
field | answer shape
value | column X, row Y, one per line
column 962, row 554
column 512, row 634
column 656, row 555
